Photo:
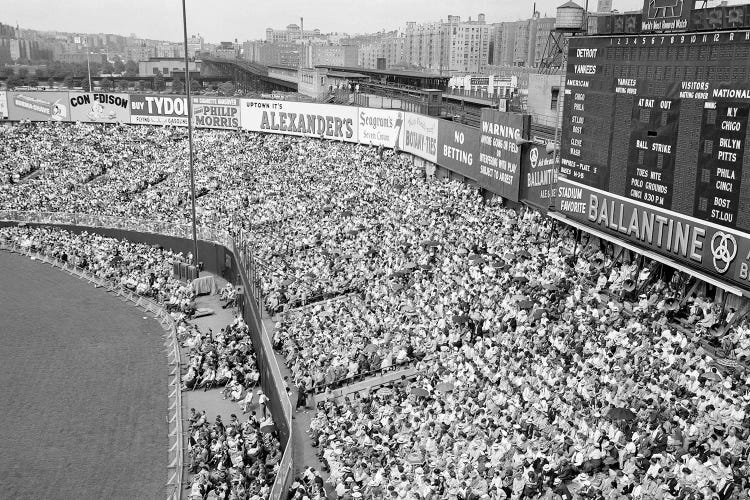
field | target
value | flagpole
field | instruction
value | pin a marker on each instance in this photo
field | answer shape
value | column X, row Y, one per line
column 190, row 136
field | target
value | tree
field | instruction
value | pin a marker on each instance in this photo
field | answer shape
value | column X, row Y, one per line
column 108, row 68
column 107, row 85
column 119, row 66
column 58, row 69
column 226, row 88
column 68, row 81
column 177, row 86
column 96, row 68
column 85, row 84
column 159, row 83
column 195, row 86
column 23, row 72
column 131, row 68
column 13, row 81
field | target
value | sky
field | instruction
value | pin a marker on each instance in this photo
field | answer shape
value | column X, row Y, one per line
column 225, row 20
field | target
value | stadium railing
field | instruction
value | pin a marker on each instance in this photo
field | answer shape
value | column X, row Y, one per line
column 272, row 382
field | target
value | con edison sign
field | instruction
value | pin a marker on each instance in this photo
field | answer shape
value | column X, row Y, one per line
column 666, row 15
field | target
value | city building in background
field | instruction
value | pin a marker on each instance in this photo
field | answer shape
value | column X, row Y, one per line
column 496, row 85
column 166, row 66
column 291, row 33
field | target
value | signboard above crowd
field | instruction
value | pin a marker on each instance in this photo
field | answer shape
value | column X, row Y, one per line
column 698, row 211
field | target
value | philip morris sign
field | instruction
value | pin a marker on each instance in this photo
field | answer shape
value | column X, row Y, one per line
column 216, row 112
column 713, row 249
column 325, row 121
column 158, row 110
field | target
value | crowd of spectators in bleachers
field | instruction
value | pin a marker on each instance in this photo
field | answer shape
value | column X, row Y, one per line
column 546, row 367
column 237, row 459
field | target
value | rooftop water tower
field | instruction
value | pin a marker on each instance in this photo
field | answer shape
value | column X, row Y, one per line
column 570, row 21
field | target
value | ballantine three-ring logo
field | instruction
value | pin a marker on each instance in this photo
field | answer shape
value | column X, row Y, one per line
column 724, row 249
column 534, row 157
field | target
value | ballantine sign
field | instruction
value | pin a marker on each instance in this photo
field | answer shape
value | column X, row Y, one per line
column 706, row 247
column 668, row 234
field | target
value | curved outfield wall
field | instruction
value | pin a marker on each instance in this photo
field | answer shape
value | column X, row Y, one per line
column 218, row 258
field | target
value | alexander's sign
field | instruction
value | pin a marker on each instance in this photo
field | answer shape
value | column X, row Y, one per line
column 324, row 121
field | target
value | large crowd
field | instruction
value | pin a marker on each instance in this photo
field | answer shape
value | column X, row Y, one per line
column 146, row 270
column 546, row 366
column 238, row 459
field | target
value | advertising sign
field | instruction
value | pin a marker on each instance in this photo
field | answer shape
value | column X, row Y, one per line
column 326, row 121
column 216, row 112
column 666, row 15
column 99, row 107
column 421, row 136
column 148, row 109
column 381, row 127
column 38, row 106
column 500, row 151
column 718, row 251
column 539, row 176
column 458, row 148
column 3, row 106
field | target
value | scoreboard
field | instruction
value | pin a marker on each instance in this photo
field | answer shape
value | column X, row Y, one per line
column 659, row 123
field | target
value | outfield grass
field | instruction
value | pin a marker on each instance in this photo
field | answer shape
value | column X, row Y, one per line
column 83, row 390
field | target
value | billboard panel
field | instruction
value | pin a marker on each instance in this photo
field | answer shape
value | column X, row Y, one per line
column 3, row 105
column 421, row 136
column 538, row 175
column 148, row 109
column 683, row 147
column 500, row 151
column 458, row 148
column 381, row 127
column 713, row 249
column 666, row 15
column 326, row 121
column 99, row 107
column 216, row 112
column 38, row 106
